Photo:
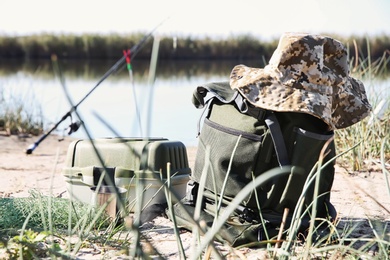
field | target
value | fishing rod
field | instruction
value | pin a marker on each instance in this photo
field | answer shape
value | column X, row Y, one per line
column 74, row 126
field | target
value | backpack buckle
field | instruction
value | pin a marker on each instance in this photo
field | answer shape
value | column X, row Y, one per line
column 191, row 192
column 247, row 215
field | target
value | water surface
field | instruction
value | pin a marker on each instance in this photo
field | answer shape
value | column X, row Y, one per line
column 120, row 106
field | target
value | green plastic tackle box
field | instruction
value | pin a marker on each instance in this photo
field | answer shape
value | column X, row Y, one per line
column 127, row 163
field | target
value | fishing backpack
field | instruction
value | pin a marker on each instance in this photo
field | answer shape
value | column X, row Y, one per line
column 238, row 143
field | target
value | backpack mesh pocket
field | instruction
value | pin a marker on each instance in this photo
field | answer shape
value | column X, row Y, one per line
column 305, row 149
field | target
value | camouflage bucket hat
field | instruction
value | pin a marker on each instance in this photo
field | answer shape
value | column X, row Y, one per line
column 308, row 74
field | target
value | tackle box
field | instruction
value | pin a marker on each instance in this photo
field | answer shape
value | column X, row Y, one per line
column 137, row 165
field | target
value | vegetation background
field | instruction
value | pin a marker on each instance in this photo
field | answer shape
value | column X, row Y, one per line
column 95, row 46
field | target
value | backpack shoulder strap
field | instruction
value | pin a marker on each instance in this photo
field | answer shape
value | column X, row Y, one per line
column 277, row 138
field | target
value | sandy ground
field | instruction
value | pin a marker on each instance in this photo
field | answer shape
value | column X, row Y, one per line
column 356, row 196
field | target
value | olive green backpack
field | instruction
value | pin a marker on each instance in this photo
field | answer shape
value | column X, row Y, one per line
column 239, row 143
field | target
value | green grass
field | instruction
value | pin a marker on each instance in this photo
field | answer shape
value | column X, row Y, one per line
column 27, row 222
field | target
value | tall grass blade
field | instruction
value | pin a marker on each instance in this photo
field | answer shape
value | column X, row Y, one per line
column 151, row 81
column 383, row 164
column 199, row 230
column 227, row 173
column 235, row 203
column 168, row 192
column 315, row 195
column 296, row 218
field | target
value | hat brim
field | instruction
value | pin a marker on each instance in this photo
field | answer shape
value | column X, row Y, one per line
column 269, row 89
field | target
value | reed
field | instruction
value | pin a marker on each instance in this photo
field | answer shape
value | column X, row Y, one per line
column 18, row 116
column 369, row 135
column 95, row 46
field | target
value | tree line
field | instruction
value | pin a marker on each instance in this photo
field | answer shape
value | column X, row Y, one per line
column 95, row 46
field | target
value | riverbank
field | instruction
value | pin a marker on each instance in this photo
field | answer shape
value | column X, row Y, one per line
column 359, row 197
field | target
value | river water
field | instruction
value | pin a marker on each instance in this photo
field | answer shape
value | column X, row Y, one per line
column 120, row 106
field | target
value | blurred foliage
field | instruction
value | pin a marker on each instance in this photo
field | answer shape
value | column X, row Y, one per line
column 94, row 46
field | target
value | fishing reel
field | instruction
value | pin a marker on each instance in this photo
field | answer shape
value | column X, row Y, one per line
column 74, row 126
